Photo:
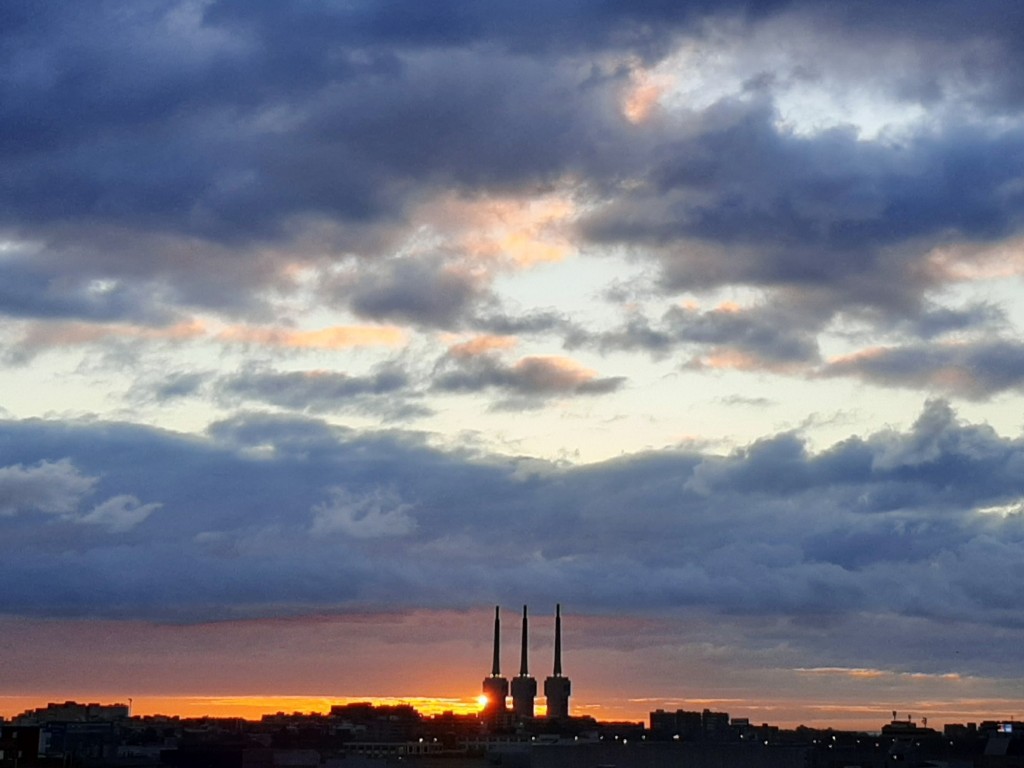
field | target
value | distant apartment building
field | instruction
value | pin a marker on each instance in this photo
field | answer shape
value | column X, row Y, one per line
column 73, row 712
column 692, row 726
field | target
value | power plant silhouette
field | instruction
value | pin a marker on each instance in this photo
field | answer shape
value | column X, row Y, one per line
column 557, row 687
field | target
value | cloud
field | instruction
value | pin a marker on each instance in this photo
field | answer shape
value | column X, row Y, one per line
column 336, row 337
column 530, row 377
column 893, row 522
column 40, row 337
column 741, row 201
column 423, row 291
column 536, row 323
column 33, row 288
column 119, row 514
column 177, row 385
column 369, row 516
column 481, row 345
column 283, row 155
column 498, row 232
column 58, row 488
column 289, row 193
column 385, row 391
column 406, row 163
column 53, row 487
column 531, row 27
column 768, row 336
column 971, row 369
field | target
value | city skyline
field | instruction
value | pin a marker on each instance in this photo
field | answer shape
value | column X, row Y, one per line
column 326, row 327
column 602, row 699
column 108, row 734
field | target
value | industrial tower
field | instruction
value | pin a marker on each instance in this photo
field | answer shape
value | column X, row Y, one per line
column 556, row 687
column 495, row 687
column 524, row 687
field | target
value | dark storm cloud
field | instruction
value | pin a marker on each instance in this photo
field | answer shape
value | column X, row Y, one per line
column 163, row 156
column 270, row 513
column 533, row 26
column 951, row 30
column 223, row 126
column 974, row 369
column 98, row 274
column 644, row 26
column 168, row 142
column 32, row 290
column 745, row 202
column 164, row 145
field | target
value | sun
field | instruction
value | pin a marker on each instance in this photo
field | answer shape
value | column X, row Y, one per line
column 482, row 700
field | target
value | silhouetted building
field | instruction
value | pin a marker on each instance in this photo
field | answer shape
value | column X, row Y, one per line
column 906, row 727
column 557, row 688
column 715, row 725
column 684, row 725
column 19, row 745
column 524, row 687
column 73, row 712
column 363, row 721
column 495, row 687
column 92, row 741
column 681, row 725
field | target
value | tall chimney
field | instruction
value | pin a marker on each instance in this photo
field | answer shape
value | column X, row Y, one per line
column 524, row 687
column 496, row 665
column 557, row 688
column 523, row 671
column 558, row 640
column 495, row 687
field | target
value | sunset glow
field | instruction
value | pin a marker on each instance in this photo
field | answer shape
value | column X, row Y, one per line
column 331, row 332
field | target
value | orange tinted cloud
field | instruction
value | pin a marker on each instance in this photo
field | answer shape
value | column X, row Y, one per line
column 480, row 345
column 335, row 337
column 966, row 262
column 728, row 358
column 728, row 307
column 45, row 335
column 643, row 95
column 947, row 366
column 511, row 231
column 552, row 372
column 731, row 359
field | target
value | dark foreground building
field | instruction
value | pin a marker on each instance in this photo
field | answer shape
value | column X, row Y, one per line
column 668, row 755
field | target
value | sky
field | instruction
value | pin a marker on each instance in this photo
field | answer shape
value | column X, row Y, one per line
column 326, row 326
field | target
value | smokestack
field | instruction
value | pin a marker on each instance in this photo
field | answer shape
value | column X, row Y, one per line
column 524, row 687
column 558, row 640
column 496, row 666
column 557, row 688
column 495, row 687
column 523, row 671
